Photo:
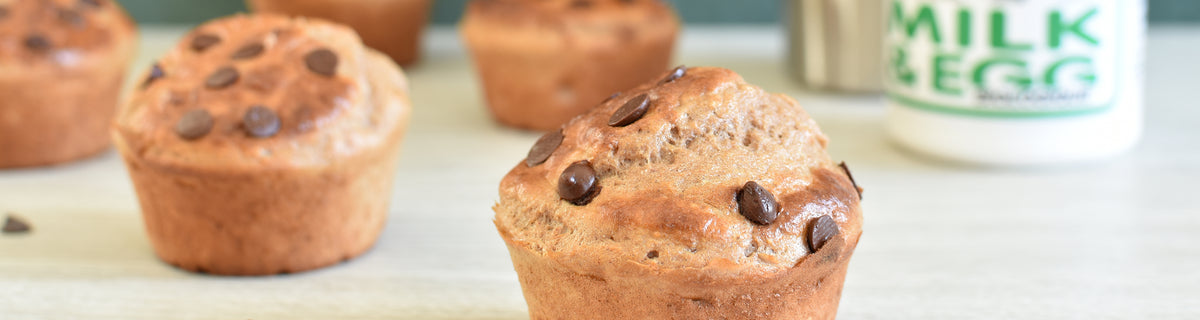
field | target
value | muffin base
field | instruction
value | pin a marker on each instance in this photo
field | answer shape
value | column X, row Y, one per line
column 538, row 80
column 266, row 222
column 68, row 122
column 810, row 290
column 392, row 26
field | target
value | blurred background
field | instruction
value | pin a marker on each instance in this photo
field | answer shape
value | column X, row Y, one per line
column 693, row 11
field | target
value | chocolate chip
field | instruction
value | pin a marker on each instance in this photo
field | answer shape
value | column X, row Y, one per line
column 578, row 183
column 248, row 51
column 322, row 61
column 848, row 175
column 757, row 204
column 677, row 73
column 37, row 42
column 71, row 17
column 544, row 147
column 14, row 224
column 156, row 72
column 260, row 122
column 820, row 230
column 653, row 254
column 194, row 124
column 222, row 78
column 633, row 110
column 204, row 41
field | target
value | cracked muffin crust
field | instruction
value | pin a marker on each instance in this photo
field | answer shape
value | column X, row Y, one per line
column 706, row 197
column 62, row 64
column 263, row 144
column 543, row 62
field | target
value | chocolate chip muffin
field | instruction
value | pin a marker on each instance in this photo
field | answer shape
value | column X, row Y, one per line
column 694, row 196
column 264, row 144
column 391, row 26
column 543, row 62
column 62, row 64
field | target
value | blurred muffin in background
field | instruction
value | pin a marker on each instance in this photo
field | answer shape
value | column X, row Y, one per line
column 543, row 62
column 62, row 65
column 263, row 144
column 391, row 26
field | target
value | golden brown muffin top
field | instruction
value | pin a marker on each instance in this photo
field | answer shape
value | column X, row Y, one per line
column 264, row 91
column 671, row 160
column 61, row 31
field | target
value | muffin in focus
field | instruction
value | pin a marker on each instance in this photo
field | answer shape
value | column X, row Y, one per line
column 543, row 62
column 262, row 144
column 693, row 196
column 62, row 65
column 391, row 26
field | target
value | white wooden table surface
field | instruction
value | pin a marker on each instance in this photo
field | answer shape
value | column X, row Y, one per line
column 1117, row 239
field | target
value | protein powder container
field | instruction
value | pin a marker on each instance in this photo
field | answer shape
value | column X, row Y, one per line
column 1001, row 82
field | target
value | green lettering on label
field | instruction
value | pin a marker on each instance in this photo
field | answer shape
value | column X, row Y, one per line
column 964, row 27
column 1021, row 79
column 1000, row 34
column 925, row 16
column 1059, row 28
column 944, row 68
column 1089, row 76
column 1021, row 58
column 900, row 68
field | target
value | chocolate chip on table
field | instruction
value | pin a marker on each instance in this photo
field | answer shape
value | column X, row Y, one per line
column 676, row 73
column 820, row 230
column 194, row 124
column 578, row 183
column 204, row 41
column 156, row 72
column 71, row 17
column 37, row 42
column 14, row 224
column 248, row 51
column 757, row 204
column 543, row 148
column 848, row 175
column 629, row 113
column 222, row 78
column 260, row 122
column 322, row 61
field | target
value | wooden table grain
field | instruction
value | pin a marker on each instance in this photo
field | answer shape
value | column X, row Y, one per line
column 1113, row 239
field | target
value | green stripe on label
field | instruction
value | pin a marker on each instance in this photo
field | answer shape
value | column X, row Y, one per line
column 922, row 105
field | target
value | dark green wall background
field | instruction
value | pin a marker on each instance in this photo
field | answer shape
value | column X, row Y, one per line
column 693, row 11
